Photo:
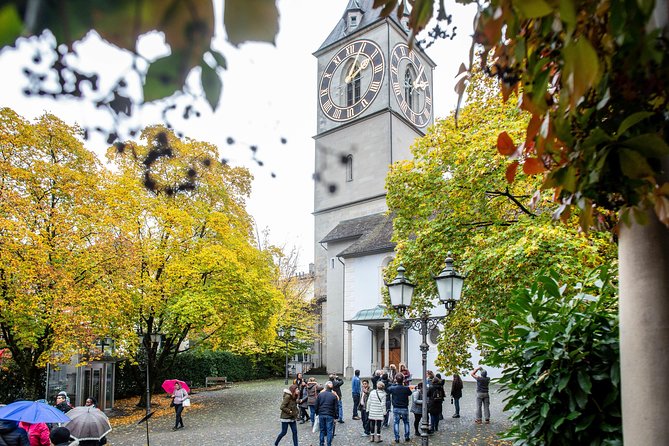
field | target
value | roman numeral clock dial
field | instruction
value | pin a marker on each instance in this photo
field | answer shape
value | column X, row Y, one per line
column 410, row 85
column 351, row 80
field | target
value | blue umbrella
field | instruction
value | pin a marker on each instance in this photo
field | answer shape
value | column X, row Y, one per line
column 32, row 412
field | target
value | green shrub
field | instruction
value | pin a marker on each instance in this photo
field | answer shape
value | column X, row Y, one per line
column 560, row 353
column 194, row 367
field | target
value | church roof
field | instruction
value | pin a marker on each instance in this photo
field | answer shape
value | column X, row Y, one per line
column 370, row 314
column 376, row 239
column 353, row 228
column 373, row 234
column 369, row 16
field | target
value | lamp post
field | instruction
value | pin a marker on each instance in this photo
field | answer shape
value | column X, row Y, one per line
column 287, row 337
column 449, row 286
column 150, row 341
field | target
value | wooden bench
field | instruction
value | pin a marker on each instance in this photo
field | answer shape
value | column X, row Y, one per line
column 217, row 381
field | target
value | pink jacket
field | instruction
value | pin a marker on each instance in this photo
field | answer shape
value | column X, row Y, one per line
column 38, row 433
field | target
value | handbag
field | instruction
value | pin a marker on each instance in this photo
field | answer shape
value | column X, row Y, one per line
column 315, row 428
column 186, row 402
column 172, row 402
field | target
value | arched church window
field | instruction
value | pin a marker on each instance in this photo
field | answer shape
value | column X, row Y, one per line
column 353, row 89
column 349, row 168
column 408, row 87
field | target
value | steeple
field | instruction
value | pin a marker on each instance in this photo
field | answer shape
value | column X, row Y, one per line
column 363, row 13
column 352, row 16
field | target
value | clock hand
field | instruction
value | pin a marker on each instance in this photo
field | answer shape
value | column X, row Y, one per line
column 353, row 65
column 362, row 66
column 420, row 73
column 420, row 85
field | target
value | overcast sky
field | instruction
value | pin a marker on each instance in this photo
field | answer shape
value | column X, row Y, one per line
column 269, row 93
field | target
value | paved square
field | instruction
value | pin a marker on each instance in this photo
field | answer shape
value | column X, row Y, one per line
column 248, row 415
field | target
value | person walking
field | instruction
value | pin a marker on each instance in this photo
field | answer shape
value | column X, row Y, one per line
column 13, row 435
column 289, row 414
column 400, row 396
column 435, row 402
column 312, row 392
column 303, row 402
column 355, row 393
column 178, row 396
column 376, row 408
column 363, row 407
column 417, row 407
column 326, row 408
column 482, row 394
column 337, row 382
column 456, row 394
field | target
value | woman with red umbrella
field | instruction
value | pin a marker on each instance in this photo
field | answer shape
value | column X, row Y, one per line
column 178, row 396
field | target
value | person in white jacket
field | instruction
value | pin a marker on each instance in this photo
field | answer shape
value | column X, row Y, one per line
column 376, row 408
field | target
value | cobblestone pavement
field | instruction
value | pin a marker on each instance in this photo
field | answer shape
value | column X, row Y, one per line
column 248, row 414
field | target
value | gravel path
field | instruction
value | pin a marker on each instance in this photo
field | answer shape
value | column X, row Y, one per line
column 248, row 414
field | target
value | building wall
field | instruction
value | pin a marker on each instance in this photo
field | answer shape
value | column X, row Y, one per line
column 377, row 138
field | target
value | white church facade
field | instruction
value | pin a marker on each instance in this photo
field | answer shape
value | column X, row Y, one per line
column 374, row 99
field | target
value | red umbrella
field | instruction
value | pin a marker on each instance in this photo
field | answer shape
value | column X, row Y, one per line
column 168, row 385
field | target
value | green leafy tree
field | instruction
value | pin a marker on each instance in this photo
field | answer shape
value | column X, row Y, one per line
column 453, row 196
column 558, row 345
column 594, row 77
column 192, row 272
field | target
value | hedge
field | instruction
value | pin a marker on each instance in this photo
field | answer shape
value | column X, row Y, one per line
column 196, row 366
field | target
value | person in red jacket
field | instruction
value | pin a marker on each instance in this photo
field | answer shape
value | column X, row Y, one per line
column 38, row 433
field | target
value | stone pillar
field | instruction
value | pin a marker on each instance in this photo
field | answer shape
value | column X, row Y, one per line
column 644, row 330
column 386, row 344
column 348, row 374
column 403, row 350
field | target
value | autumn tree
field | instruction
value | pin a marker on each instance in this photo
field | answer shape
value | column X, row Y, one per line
column 453, row 196
column 56, row 257
column 297, row 287
column 193, row 272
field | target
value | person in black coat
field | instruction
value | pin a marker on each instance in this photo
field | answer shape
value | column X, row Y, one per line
column 456, row 394
column 435, row 401
column 337, row 382
column 12, row 434
column 386, row 383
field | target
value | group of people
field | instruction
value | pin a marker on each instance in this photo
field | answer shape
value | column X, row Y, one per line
column 13, row 433
column 372, row 402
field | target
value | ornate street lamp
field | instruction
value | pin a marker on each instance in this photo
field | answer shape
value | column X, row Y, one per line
column 150, row 341
column 449, row 286
column 288, row 337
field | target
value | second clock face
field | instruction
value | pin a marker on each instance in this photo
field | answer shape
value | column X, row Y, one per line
column 411, row 85
column 351, row 80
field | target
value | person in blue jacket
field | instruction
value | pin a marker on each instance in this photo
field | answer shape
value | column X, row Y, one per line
column 356, row 390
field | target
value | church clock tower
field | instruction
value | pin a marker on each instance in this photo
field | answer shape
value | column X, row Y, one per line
column 374, row 99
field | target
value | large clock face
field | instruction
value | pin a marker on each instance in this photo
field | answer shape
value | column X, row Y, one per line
column 351, row 80
column 410, row 85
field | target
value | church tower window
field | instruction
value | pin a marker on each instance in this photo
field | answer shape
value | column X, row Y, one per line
column 409, row 92
column 353, row 89
column 349, row 168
